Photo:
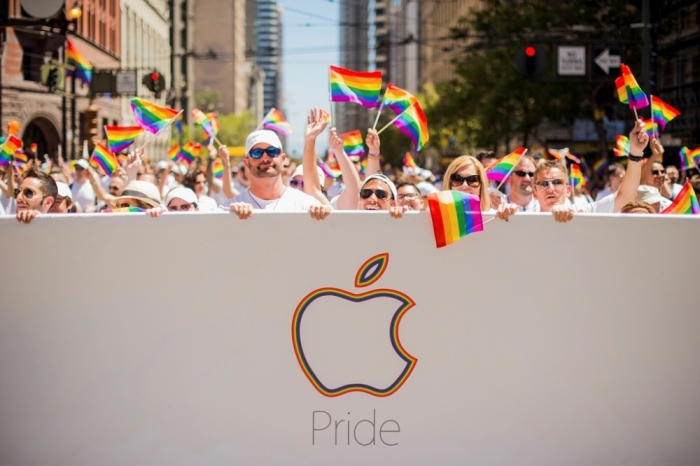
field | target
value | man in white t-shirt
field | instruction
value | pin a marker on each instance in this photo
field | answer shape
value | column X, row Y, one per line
column 264, row 159
column 82, row 191
column 552, row 186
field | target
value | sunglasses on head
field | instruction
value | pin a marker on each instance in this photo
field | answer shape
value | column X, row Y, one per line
column 458, row 180
column 380, row 193
column 658, row 172
column 544, row 184
column 270, row 151
column 296, row 183
column 523, row 173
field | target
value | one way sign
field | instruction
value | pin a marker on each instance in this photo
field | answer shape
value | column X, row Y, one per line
column 607, row 60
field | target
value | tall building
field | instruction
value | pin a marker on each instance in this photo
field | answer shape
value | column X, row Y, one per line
column 267, row 50
column 182, row 68
column 220, row 43
column 403, row 70
column 146, row 49
column 97, row 35
column 354, row 55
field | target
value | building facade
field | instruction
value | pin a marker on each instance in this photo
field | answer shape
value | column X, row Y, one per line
column 267, row 50
column 182, row 59
column 97, row 35
column 354, row 55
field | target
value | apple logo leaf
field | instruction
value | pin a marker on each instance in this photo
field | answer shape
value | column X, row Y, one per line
column 372, row 270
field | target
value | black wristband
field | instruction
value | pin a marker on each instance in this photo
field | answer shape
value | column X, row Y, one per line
column 634, row 158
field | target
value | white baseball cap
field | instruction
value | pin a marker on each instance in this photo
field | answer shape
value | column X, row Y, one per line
column 383, row 179
column 650, row 194
column 263, row 135
column 162, row 164
column 300, row 172
column 64, row 190
column 82, row 163
column 186, row 194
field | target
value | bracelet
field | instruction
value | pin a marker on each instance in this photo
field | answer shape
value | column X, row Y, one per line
column 635, row 158
column 374, row 156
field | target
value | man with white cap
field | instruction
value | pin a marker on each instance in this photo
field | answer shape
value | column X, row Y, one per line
column 178, row 200
column 652, row 196
column 264, row 159
column 64, row 200
column 81, row 189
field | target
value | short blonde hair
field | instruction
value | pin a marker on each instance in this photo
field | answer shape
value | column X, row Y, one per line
column 464, row 161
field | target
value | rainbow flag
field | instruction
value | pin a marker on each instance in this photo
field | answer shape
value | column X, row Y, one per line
column 174, row 151
column 650, row 127
column 571, row 156
column 685, row 202
column 102, row 157
column 628, row 91
column 325, row 117
column 353, row 143
column 558, row 154
column 689, row 158
column 178, row 122
column 204, row 122
column 408, row 161
column 353, row 86
column 276, row 122
column 600, row 165
column 622, row 146
column 500, row 171
column 327, row 171
column 151, row 117
column 577, row 177
column 332, row 164
column 190, row 151
column 538, row 153
column 661, row 112
column 217, row 169
column 21, row 157
column 397, row 99
column 83, row 68
column 12, row 145
column 455, row 214
column 413, row 124
column 121, row 137
column 214, row 122
column 121, row 210
column 363, row 167
column 33, row 148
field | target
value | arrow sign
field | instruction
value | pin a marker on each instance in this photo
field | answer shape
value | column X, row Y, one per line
column 606, row 61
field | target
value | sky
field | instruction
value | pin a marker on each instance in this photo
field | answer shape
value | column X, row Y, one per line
column 310, row 43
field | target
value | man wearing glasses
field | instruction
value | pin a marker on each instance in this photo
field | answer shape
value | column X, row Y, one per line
column 35, row 195
column 552, row 186
column 520, row 183
column 267, row 191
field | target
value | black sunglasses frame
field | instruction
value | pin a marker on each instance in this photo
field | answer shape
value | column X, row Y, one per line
column 473, row 181
column 381, row 194
column 522, row 173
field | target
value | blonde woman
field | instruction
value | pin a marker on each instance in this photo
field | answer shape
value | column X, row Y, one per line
column 467, row 174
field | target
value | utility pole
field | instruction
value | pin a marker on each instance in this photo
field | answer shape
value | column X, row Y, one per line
column 64, row 125
column 646, row 46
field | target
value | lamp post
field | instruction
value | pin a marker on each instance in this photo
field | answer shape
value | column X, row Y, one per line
column 71, row 16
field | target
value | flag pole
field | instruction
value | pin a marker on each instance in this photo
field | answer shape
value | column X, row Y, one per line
column 376, row 120
column 170, row 121
column 653, row 124
column 330, row 99
column 511, row 170
column 394, row 119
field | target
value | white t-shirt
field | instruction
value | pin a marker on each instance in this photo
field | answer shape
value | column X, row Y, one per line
column 207, row 204
column 603, row 193
column 582, row 200
column 603, row 206
column 530, row 207
column 292, row 200
column 7, row 204
column 675, row 189
column 83, row 195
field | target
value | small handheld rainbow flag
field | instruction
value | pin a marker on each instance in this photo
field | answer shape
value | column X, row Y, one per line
column 151, row 117
column 121, row 137
column 650, row 127
column 558, row 154
column 325, row 117
column 178, row 122
column 276, row 122
column 455, row 214
column 12, row 145
column 686, row 202
column 361, row 88
column 622, row 146
column 332, row 164
column 363, row 167
column 689, row 158
column 409, row 161
column 413, row 124
column 628, row 90
column 661, row 112
column 33, row 148
column 83, row 68
column 174, row 151
column 537, row 153
column 122, row 210
column 577, row 177
column 218, row 169
column 600, row 165
column 327, row 171
column 103, row 158
column 214, row 122
column 397, row 99
column 190, row 151
column 500, row 171
column 21, row 157
column 353, row 143
column 203, row 121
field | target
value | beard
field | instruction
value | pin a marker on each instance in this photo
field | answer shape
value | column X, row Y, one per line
column 265, row 169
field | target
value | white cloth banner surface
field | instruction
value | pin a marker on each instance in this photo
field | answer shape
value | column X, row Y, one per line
column 201, row 339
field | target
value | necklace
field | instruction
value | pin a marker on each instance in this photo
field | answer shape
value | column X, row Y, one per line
column 261, row 207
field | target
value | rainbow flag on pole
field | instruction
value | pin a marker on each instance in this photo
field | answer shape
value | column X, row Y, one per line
column 455, row 214
column 353, row 143
column 577, row 177
column 151, row 117
column 686, row 202
column 83, row 68
column 650, row 127
column 413, row 124
column 501, row 170
column 628, row 91
column 190, row 151
column 362, row 88
column 203, row 121
column 174, row 151
column 276, row 122
column 397, row 99
column 600, row 165
column 622, row 146
column 214, row 122
column 103, row 158
column 689, row 158
column 121, row 137
column 12, row 145
column 218, row 169
column 661, row 112
column 409, row 161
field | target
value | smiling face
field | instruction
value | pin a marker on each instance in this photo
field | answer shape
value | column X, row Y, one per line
column 31, row 197
column 374, row 201
column 266, row 166
column 470, row 181
column 409, row 196
column 556, row 191
column 656, row 176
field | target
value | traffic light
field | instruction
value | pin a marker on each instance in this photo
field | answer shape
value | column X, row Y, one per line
column 53, row 76
column 154, row 82
column 531, row 60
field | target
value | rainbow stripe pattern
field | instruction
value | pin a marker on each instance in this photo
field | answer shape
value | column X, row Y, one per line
column 397, row 99
column 558, row 154
column 203, row 121
column 21, row 157
column 103, row 158
column 121, row 137
column 500, row 171
column 413, row 124
column 689, row 158
column 178, row 122
column 661, row 112
column 325, row 117
column 218, row 169
column 190, row 151
column 650, row 127
column 362, row 88
column 455, row 214
column 353, row 143
column 622, row 146
column 83, row 68
column 174, row 151
column 600, row 165
column 214, row 122
column 275, row 121
column 151, row 117
column 123, row 210
column 686, row 202
column 577, row 177
column 628, row 91
column 409, row 161
column 33, row 148
column 12, row 145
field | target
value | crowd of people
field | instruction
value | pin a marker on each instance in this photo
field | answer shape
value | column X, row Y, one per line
column 267, row 179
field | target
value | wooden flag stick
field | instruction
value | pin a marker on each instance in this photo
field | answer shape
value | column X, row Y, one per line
column 376, row 120
column 394, row 119
column 170, row 121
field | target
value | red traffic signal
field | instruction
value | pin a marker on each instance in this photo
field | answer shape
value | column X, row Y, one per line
column 531, row 60
column 530, row 51
column 154, row 77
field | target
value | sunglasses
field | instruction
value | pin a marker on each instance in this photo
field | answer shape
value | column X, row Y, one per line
column 473, row 181
column 409, row 196
column 113, row 188
column 380, row 193
column 544, row 184
column 296, row 183
column 270, row 151
column 182, row 208
column 658, row 172
column 26, row 192
column 523, row 173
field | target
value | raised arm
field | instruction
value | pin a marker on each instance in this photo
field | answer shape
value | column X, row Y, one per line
column 208, row 175
column 373, row 158
column 349, row 198
column 315, row 126
column 226, row 179
column 657, row 153
column 630, row 183
column 97, row 187
column 133, row 162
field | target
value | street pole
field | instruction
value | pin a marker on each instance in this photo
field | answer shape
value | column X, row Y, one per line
column 646, row 46
column 64, row 125
column 72, row 117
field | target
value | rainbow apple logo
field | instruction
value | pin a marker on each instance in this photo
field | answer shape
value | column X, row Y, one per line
column 329, row 302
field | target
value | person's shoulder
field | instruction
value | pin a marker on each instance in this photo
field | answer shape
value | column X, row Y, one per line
column 242, row 197
column 300, row 197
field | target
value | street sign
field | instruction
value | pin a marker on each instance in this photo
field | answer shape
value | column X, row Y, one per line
column 126, row 82
column 606, row 61
column 571, row 60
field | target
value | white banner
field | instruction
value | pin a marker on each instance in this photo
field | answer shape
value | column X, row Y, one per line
column 203, row 339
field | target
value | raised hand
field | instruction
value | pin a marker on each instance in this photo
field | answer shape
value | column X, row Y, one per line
column 225, row 156
column 315, row 124
column 372, row 141
column 656, row 147
column 638, row 139
column 335, row 142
